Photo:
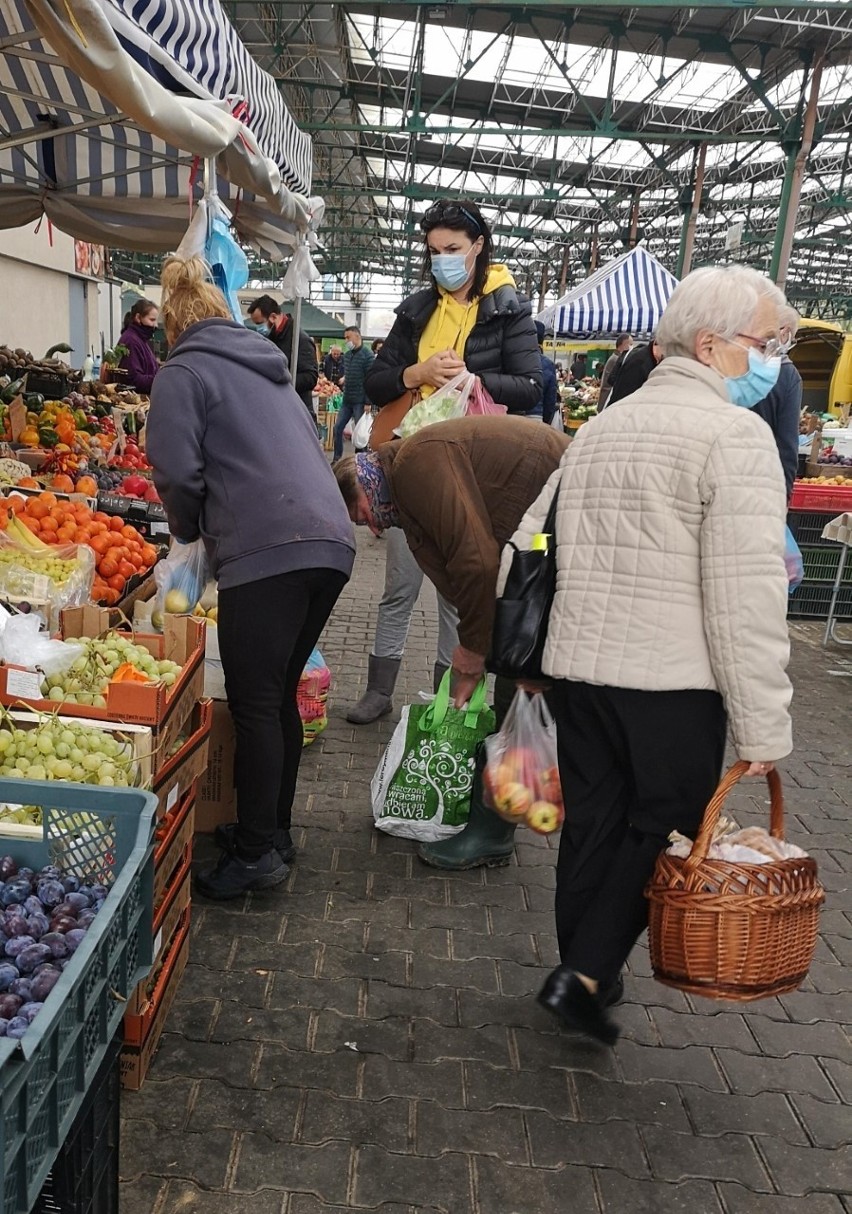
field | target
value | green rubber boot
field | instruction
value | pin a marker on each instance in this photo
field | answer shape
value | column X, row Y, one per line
column 486, row 840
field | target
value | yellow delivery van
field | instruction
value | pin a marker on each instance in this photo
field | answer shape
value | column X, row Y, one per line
column 823, row 356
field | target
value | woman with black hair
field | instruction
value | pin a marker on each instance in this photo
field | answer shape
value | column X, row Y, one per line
column 140, row 361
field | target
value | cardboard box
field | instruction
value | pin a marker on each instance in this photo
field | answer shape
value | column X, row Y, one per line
column 175, row 774
column 138, row 737
column 147, row 1028
column 169, row 923
column 172, row 850
column 217, row 798
column 214, row 673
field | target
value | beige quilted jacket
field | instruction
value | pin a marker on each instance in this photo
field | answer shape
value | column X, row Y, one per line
column 670, row 557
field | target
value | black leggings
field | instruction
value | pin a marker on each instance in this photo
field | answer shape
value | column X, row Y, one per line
column 634, row 765
column 267, row 630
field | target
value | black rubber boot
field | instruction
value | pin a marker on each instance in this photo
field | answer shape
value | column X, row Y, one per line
column 487, row 840
column 377, row 700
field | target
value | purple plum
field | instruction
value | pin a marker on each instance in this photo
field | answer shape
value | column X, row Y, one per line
column 79, row 901
column 34, row 905
column 14, row 891
column 29, row 1011
column 3, row 1026
column 71, row 883
column 9, row 1005
column 26, row 874
column 56, row 943
column 62, row 923
column 23, row 988
column 38, row 926
column 74, row 939
column 16, row 946
column 8, row 868
column 31, row 957
column 8, row 974
column 66, row 910
column 50, row 873
column 51, row 893
column 44, row 982
column 19, row 927
column 16, row 1027
column 87, row 917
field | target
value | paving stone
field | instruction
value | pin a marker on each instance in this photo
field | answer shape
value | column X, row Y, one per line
column 382, row 1176
column 679, row 1157
column 140, row 1195
column 387, row 967
column 389, row 1037
column 202, row 1158
column 489, row 1087
column 503, row 1189
column 199, row 982
column 520, row 979
column 300, row 929
column 564, row 1049
column 748, row 1074
column 713, row 1113
column 304, row 1203
column 624, row 1195
column 467, row 945
column 650, row 993
column 479, row 975
column 728, row 1029
column 438, row 1004
column 555, row 1143
column 436, row 1042
column 498, row 1132
column 264, row 1163
column 477, row 1009
column 426, row 941
column 382, row 1122
column 742, row 1201
column 648, row 1103
column 840, row 1074
column 798, row 1171
column 238, row 1023
column 166, row 1104
column 820, row 1040
column 810, row 1009
column 188, row 1199
column 441, row 1081
column 265, row 1111
column 340, row 995
column 179, row 1057
column 280, row 1067
column 507, row 903
column 829, row 1125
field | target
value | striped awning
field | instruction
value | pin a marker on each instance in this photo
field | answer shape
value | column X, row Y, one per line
column 628, row 295
column 107, row 108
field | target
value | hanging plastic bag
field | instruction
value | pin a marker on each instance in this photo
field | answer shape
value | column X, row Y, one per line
column 793, row 561
column 22, row 643
column 422, row 786
column 181, row 578
column 521, row 780
column 46, row 579
column 481, row 403
column 312, row 697
column 444, row 405
column 361, row 432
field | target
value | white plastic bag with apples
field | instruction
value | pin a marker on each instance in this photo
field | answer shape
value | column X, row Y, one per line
column 521, row 777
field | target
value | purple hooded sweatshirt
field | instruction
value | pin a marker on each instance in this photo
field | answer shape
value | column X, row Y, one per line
column 141, row 361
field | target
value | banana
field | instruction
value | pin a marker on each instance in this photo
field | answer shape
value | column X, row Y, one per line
column 23, row 535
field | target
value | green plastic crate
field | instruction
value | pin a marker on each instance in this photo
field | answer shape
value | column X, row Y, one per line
column 821, row 564
column 44, row 1077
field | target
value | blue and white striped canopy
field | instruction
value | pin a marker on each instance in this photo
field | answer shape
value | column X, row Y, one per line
column 628, row 295
column 107, row 107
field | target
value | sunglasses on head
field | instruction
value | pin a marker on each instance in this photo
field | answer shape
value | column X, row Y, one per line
column 450, row 213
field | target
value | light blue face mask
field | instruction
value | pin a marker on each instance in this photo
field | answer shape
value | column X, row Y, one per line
column 757, row 382
column 264, row 330
column 450, row 270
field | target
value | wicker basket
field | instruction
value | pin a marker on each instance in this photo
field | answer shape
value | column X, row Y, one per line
column 733, row 931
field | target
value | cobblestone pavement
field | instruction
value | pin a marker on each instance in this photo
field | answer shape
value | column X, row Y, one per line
column 366, row 1038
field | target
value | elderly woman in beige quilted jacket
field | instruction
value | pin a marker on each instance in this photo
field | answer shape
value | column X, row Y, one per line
column 668, row 625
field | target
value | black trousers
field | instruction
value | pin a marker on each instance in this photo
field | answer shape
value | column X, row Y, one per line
column 267, row 630
column 634, row 765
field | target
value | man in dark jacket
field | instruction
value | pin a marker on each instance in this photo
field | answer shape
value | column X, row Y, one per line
column 356, row 363
column 622, row 344
column 782, row 408
column 278, row 326
column 635, row 367
column 579, row 369
column 550, row 395
column 332, row 366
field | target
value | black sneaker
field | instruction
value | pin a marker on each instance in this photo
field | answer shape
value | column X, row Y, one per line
column 224, row 837
column 565, row 995
column 232, row 877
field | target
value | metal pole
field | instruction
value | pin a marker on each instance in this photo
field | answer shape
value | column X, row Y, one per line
column 687, row 243
column 543, row 291
column 297, row 324
column 634, row 220
column 791, row 192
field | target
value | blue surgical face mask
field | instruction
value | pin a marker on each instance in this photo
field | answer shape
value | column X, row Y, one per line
column 757, row 382
column 264, row 329
column 350, row 345
column 450, row 270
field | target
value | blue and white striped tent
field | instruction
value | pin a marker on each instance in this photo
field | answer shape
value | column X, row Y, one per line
column 626, row 296
column 107, row 107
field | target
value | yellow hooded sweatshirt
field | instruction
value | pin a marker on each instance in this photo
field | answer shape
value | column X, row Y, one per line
column 449, row 326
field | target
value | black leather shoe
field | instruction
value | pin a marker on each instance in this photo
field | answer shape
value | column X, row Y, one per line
column 232, row 876
column 224, row 836
column 565, row 996
column 612, row 994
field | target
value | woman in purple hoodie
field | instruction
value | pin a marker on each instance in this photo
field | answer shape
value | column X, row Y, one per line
column 138, row 331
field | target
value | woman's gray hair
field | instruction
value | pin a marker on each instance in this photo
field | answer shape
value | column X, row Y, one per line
column 721, row 299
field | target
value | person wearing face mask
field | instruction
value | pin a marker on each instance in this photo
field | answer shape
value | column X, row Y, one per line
column 782, row 407
column 140, row 361
column 270, row 320
column 356, row 364
column 470, row 315
column 668, row 626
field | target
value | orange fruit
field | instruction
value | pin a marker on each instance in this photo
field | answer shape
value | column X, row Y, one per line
column 18, row 504
column 49, row 498
column 27, row 482
column 115, row 523
column 126, row 569
column 107, row 567
column 87, row 485
column 49, row 524
column 63, row 483
column 37, row 509
column 116, row 582
column 31, row 523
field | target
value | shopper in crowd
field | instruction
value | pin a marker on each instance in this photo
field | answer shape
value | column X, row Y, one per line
column 635, row 366
column 668, row 624
column 356, row 363
column 137, row 333
column 782, row 408
column 579, row 368
column 549, row 391
column 273, row 322
column 377, row 345
column 470, row 316
column 622, row 344
column 332, row 365
column 262, row 497
column 456, row 491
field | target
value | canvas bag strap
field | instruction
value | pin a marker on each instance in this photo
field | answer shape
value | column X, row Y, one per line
column 436, row 713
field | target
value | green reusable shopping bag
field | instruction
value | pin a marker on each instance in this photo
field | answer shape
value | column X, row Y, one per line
column 421, row 789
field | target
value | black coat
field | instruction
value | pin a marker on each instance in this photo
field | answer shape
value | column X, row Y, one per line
column 780, row 410
column 307, row 368
column 630, row 374
column 502, row 349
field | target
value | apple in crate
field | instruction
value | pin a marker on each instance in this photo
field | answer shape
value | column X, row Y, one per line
column 544, row 817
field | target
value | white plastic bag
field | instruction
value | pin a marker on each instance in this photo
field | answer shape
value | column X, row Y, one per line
column 22, row 643
column 444, row 405
column 181, row 578
column 361, row 433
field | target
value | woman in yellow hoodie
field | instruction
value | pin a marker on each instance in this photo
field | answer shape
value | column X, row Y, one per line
column 470, row 315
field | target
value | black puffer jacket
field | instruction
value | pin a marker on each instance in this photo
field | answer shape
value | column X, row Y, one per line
column 502, row 349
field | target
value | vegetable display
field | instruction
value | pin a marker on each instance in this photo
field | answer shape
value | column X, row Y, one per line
column 113, row 657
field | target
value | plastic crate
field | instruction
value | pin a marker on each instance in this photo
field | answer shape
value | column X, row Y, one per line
column 44, row 1077
column 812, row 599
column 807, row 526
column 837, row 498
column 84, row 1177
column 821, row 563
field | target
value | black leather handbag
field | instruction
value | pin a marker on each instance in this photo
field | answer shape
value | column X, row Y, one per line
column 522, row 613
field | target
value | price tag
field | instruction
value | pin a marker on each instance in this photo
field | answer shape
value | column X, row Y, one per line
column 159, row 528
column 23, row 683
column 842, row 441
column 171, row 799
column 158, row 943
